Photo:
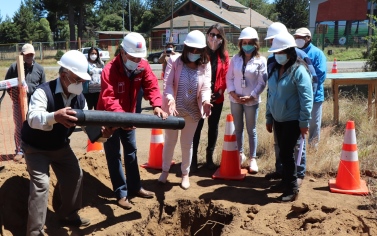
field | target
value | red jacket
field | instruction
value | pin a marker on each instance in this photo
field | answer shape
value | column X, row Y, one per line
column 119, row 92
column 222, row 69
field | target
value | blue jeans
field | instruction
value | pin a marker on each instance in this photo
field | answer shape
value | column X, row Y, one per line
column 251, row 116
column 301, row 169
column 129, row 183
column 315, row 124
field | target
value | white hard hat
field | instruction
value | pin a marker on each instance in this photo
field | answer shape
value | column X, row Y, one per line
column 76, row 62
column 275, row 29
column 303, row 32
column 248, row 33
column 134, row 44
column 282, row 41
column 195, row 39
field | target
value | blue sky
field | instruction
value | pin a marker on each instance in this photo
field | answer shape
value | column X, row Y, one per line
column 9, row 8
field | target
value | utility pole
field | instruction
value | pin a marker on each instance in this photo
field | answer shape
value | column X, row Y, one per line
column 369, row 43
column 123, row 17
column 171, row 22
column 129, row 12
column 250, row 13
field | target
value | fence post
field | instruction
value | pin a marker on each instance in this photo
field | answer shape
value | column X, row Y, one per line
column 79, row 43
column 41, row 50
column 66, row 46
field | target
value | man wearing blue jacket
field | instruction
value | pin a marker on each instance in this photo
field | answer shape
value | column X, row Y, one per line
column 303, row 39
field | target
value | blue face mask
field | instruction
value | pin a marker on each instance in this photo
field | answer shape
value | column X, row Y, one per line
column 193, row 57
column 248, row 48
column 131, row 65
column 281, row 58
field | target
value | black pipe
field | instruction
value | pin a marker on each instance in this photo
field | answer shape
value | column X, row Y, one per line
column 125, row 119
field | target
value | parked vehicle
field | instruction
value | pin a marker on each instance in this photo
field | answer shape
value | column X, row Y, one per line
column 154, row 56
column 104, row 55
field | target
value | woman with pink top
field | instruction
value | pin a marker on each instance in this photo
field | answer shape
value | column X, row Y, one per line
column 187, row 93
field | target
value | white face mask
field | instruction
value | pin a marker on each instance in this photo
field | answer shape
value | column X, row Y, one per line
column 131, row 65
column 300, row 43
column 93, row 57
column 75, row 88
column 214, row 43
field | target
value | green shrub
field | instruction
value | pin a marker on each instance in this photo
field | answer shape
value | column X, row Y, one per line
column 58, row 55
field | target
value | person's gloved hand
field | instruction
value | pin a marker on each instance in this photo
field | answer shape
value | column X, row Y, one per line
column 215, row 96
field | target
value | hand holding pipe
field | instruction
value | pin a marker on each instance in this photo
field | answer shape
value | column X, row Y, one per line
column 125, row 119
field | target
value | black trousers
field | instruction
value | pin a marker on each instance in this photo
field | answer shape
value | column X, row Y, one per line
column 287, row 134
column 91, row 100
column 213, row 130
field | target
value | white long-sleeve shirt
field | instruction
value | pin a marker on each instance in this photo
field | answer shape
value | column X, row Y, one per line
column 255, row 78
column 37, row 116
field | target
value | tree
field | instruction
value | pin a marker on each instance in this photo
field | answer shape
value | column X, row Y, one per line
column 263, row 7
column 43, row 31
column 293, row 13
column 9, row 32
column 25, row 21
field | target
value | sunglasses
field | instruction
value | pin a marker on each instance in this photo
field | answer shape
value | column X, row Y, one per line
column 213, row 35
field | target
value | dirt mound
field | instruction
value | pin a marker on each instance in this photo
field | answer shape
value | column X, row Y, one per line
column 209, row 207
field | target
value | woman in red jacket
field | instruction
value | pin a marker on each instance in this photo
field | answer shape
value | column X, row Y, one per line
column 216, row 49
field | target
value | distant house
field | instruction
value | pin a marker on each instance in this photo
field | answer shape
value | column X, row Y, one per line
column 201, row 14
column 110, row 40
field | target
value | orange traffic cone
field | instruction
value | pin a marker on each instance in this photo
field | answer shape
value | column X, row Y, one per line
column 155, row 150
column 96, row 146
column 230, row 160
column 348, row 178
column 334, row 67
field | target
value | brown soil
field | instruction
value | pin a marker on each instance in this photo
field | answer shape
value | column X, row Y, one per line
column 208, row 207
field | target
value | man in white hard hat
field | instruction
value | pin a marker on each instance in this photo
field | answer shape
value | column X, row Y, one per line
column 121, row 81
column 303, row 39
column 45, row 141
column 273, row 30
column 34, row 76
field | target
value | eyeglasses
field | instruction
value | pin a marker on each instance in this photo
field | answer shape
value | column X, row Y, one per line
column 213, row 35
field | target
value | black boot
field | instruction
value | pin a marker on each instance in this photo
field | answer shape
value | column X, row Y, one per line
column 194, row 163
column 209, row 162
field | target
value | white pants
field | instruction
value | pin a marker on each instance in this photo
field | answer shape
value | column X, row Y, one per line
column 171, row 137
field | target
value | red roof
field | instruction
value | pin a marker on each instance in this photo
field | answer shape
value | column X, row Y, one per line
column 339, row 10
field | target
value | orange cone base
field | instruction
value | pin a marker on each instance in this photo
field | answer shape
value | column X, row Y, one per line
column 241, row 176
column 362, row 190
column 96, row 146
column 156, row 167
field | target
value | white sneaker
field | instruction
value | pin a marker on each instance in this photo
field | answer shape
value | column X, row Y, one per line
column 163, row 177
column 185, row 182
column 242, row 158
column 253, row 167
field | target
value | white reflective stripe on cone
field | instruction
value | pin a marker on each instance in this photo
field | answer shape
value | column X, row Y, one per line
column 157, row 138
column 230, row 146
column 350, row 136
column 349, row 156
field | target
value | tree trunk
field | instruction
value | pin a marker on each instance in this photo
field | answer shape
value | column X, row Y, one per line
column 80, row 26
column 72, row 30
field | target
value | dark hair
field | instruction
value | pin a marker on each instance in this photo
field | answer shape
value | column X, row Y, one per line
column 98, row 60
column 204, row 59
column 256, row 51
column 167, row 44
column 222, row 47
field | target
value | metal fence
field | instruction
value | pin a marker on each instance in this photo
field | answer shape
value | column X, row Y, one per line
column 322, row 36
